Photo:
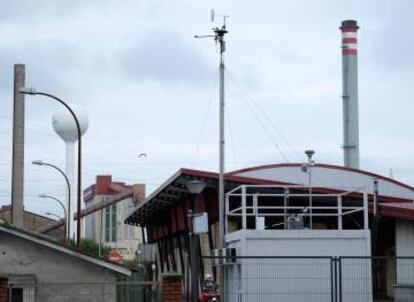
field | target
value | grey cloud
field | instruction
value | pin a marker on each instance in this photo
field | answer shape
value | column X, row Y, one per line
column 24, row 11
column 42, row 58
column 48, row 67
column 165, row 57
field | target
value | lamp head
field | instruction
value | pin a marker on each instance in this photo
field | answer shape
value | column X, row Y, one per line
column 42, row 195
column 28, row 90
column 309, row 153
column 37, row 162
column 195, row 186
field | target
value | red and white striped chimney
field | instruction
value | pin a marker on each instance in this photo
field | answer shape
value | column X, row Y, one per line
column 349, row 30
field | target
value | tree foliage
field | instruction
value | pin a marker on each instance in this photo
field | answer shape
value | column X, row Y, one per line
column 91, row 247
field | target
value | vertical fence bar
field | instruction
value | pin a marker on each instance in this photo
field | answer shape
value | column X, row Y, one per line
column 244, row 218
column 255, row 201
column 226, row 215
column 285, row 205
column 340, row 278
column 333, row 276
column 336, row 278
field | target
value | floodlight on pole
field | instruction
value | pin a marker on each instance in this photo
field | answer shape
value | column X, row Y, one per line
column 32, row 91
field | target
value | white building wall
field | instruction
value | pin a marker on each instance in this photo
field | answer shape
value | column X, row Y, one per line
column 127, row 237
column 331, row 177
column 404, row 237
column 296, row 279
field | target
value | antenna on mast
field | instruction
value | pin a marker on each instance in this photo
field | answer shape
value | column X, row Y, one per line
column 219, row 33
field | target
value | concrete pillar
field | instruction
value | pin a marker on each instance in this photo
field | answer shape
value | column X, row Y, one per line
column 18, row 147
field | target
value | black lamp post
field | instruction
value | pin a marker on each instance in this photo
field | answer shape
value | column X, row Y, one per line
column 32, row 91
column 195, row 187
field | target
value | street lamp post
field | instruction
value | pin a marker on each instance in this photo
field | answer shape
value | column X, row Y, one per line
column 64, row 212
column 195, row 187
column 67, row 214
column 32, row 91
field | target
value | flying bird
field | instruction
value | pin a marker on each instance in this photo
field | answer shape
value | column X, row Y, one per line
column 141, row 155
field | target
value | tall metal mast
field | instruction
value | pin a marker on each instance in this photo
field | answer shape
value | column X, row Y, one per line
column 220, row 38
column 219, row 33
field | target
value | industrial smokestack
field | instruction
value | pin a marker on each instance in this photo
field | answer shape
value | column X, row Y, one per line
column 17, row 191
column 349, row 30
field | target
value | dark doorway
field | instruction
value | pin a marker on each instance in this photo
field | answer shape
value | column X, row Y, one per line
column 16, row 294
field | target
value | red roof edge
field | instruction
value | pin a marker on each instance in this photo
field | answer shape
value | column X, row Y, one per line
column 328, row 166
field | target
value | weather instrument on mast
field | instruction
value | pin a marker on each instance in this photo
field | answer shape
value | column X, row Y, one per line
column 219, row 33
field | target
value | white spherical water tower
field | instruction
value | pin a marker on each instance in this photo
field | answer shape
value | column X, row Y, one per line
column 65, row 126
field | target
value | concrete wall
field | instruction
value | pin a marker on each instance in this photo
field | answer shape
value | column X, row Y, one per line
column 288, row 279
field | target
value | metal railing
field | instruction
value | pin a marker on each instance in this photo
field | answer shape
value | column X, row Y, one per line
column 248, row 197
column 85, row 292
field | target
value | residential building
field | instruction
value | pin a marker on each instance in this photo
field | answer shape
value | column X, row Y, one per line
column 107, row 204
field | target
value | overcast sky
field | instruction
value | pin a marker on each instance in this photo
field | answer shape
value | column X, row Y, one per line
column 149, row 86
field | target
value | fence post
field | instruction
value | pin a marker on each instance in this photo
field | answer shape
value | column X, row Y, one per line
column 332, row 279
column 285, row 205
column 244, row 218
column 340, row 212
column 255, row 197
column 340, row 278
column 366, row 226
column 226, row 214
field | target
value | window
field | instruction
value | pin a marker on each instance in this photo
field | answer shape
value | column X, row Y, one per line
column 110, row 224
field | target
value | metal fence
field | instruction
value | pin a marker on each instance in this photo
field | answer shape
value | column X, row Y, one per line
column 84, row 292
column 315, row 279
column 376, row 279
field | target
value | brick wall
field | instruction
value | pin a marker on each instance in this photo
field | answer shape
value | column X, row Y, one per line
column 4, row 290
column 171, row 288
